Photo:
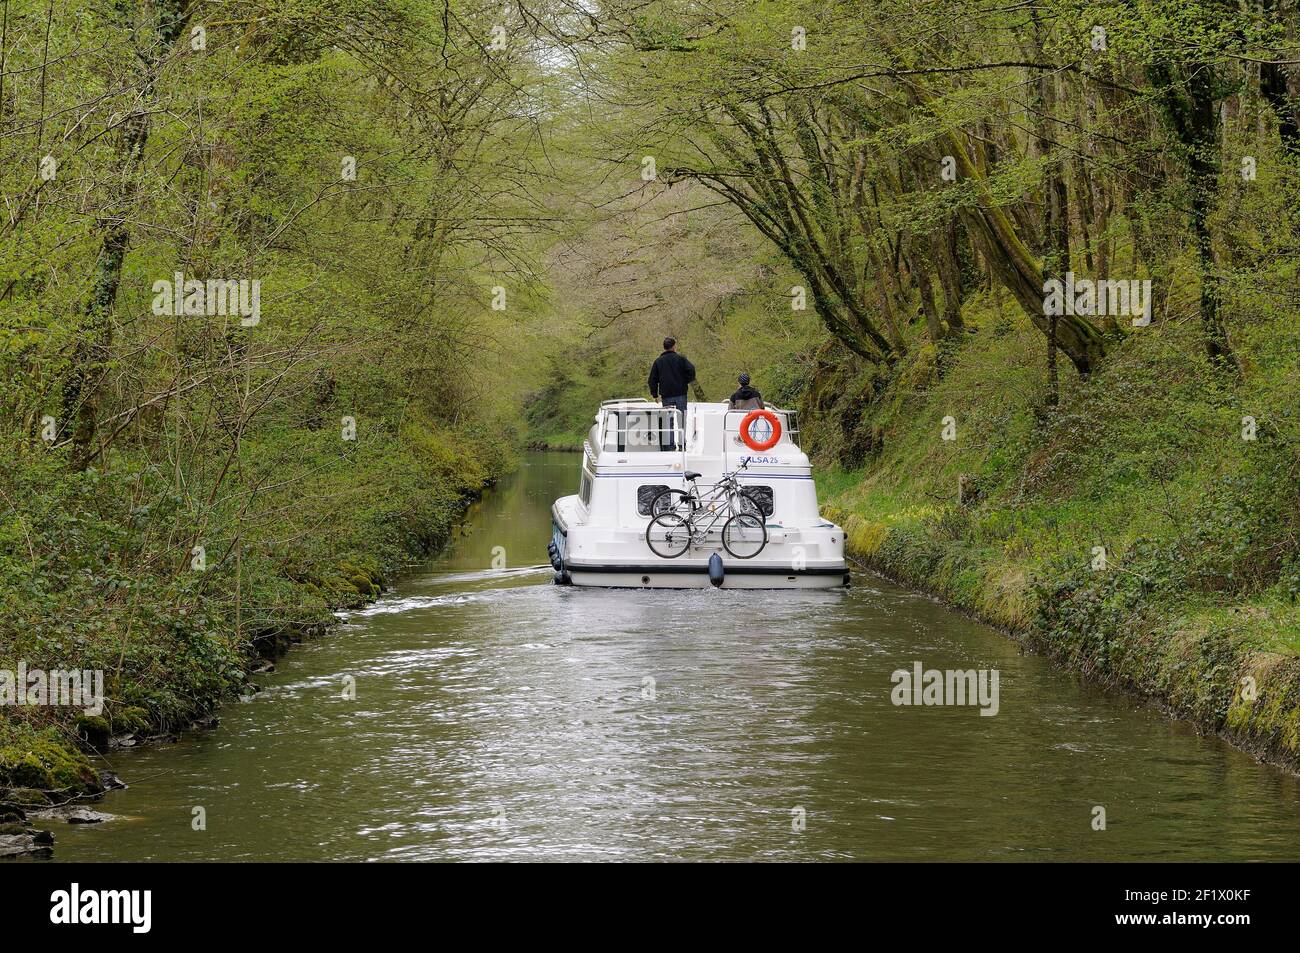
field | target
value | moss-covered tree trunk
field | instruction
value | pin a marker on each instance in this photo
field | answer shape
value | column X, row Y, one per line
column 157, row 27
column 1021, row 272
column 1189, row 96
column 943, row 249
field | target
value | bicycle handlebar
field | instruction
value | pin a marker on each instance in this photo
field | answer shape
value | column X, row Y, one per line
column 728, row 476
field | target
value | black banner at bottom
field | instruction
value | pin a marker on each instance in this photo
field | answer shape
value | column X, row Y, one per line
column 142, row 903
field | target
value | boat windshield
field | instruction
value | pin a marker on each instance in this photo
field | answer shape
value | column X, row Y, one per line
column 642, row 430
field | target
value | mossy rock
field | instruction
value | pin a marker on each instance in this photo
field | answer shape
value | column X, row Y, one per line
column 94, row 730
column 130, row 718
column 43, row 761
column 363, row 585
column 366, row 567
column 23, row 798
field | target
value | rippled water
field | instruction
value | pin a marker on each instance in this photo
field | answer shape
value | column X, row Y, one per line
column 500, row 717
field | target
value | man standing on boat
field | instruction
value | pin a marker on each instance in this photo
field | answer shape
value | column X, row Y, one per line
column 670, row 375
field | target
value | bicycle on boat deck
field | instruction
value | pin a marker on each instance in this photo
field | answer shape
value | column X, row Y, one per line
column 683, row 518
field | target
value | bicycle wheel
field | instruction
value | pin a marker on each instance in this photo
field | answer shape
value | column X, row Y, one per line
column 668, row 535
column 744, row 536
column 672, row 501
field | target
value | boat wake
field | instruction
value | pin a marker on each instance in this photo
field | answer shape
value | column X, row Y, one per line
column 486, row 575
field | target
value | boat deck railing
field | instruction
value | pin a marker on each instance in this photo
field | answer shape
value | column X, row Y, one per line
column 641, row 425
column 631, row 401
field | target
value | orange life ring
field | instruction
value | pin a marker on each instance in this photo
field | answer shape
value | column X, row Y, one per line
column 771, row 418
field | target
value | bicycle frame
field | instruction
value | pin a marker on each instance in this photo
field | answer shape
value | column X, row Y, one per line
column 723, row 491
column 700, row 532
column 698, row 515
column 726, row 491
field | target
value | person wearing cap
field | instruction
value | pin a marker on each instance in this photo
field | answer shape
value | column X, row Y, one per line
column 746, row 398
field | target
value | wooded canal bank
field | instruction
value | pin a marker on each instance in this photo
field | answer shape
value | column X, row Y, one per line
column 173, row 676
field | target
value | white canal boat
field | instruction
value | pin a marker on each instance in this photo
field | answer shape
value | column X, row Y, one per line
column 722, row 497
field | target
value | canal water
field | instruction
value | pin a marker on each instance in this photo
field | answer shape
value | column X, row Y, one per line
column 499, row 717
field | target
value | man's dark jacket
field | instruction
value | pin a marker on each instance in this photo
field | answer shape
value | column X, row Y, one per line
column 670, row 374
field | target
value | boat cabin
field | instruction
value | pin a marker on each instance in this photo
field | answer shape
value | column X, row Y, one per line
column 636, row 449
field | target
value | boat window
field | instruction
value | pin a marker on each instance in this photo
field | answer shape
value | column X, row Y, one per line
column 585, row 491
column 646, row 429
column 646, row 494
column 762, row 495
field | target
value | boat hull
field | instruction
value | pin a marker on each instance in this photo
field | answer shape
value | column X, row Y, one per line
column 667, row 576
column 809, row 559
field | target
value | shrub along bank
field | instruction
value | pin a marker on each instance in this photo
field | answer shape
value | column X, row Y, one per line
column 1145, row 532
column 92, row 577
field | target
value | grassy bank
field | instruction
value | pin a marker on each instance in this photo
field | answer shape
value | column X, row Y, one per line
column 92, row 579
column 1196, row 604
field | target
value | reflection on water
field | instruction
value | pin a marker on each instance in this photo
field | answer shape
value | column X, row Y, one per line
column 498, row 716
